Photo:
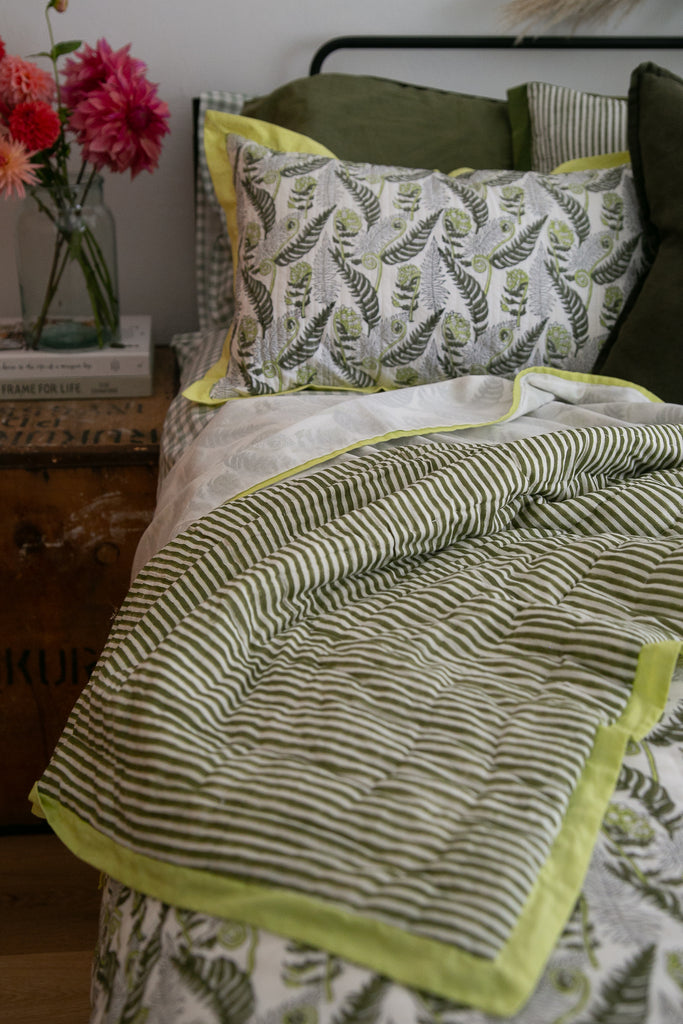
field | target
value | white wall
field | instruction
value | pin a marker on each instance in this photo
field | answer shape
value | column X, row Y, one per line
column 252, row 46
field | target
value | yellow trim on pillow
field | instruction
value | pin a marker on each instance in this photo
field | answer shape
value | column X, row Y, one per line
column 601, row 162
column 217, row 126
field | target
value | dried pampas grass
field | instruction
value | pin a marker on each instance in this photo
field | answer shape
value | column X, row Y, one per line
column 525, row 15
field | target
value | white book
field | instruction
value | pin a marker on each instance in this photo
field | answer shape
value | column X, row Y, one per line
column 124, row 369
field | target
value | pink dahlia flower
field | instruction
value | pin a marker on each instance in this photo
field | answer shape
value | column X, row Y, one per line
column 36, row 125
column 16, row 169
column 121, row 124
column 91, row 68
column 21, row 81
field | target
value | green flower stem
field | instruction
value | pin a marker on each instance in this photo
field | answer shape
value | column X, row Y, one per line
column 642, row 878
column 84, row 248
column 52, row 285
column 62, row 150
column 584, row 932
column 102, row 300
column 102, row 270
column 581, row 988
column 93, row 292
column 651, row 760
column 413, row 299
column 251, row 953
column 508, row 232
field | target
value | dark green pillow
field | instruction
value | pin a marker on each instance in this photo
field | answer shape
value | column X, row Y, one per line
column 520, row 127
column 376, row 120
column 646, row 345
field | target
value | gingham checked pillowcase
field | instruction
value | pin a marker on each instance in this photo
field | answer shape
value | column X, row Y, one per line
column 212, row 247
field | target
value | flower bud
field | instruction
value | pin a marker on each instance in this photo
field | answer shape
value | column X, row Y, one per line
column 60, row 5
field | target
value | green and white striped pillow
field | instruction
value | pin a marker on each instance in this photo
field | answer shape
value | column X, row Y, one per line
column 553, row 124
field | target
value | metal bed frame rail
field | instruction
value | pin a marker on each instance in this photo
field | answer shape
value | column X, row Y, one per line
column 427, row 42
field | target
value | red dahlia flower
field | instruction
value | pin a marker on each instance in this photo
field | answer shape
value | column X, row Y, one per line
column 36, row 125
column 3, row 51
column 91, row 68
column 121, row 124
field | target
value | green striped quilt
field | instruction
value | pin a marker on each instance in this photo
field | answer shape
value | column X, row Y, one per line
column 381, row 709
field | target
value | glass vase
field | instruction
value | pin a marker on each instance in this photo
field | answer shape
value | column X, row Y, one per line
column 66, row 261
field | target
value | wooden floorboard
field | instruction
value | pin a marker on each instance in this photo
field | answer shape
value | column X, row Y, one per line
column 45, row 988
column 49, row 904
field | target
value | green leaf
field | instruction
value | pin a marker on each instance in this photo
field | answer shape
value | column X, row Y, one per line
column 572, row 302
column 471, row 291
column 503, row 177
column 477, row 206
column 668, row 730
column 624, row 998
column 414, row 345
column 364, row 1006
column 571, row 206
column 652, row 795
column 520, row 248
column 138, row 976
column 518, row 352
column 262, row 202
column 255, row 386
column 304, row 965
column 617, row 265
column 364, row 196
column 304, row 166
column 607, row 181
column 350, row 369
column 305, row 240
column 305, row 346
column 362, row 289
column 405, row 174
column 219, row 983
column 655, row 889
column 61, row 49
column 260, row 299
column 412, row 243
column 106, row 970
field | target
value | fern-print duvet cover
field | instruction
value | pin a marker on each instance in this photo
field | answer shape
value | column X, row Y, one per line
column 419, row 697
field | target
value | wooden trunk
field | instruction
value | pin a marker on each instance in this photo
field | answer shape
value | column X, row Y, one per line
column 77, row 488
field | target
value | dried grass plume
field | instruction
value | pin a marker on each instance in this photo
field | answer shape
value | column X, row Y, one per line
column 536, row 15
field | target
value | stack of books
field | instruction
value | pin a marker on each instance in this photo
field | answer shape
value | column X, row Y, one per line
column 125, row 369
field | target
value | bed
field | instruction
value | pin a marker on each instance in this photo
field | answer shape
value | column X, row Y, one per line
column 390, row 725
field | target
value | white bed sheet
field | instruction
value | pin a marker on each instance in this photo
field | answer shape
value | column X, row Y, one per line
column 249, row 443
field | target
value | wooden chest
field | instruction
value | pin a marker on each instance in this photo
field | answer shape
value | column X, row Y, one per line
column 77, row 489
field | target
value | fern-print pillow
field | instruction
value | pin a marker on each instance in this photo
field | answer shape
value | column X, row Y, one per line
column 371, row 277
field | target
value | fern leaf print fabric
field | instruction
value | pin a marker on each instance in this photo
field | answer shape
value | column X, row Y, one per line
column 370, row 277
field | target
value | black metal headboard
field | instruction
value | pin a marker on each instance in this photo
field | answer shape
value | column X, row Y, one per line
column 492, row 43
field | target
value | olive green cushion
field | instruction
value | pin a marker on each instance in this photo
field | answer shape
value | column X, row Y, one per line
column 646, row 346
column 375, row 120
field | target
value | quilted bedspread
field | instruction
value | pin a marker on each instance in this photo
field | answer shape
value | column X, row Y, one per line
column 381, row 709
